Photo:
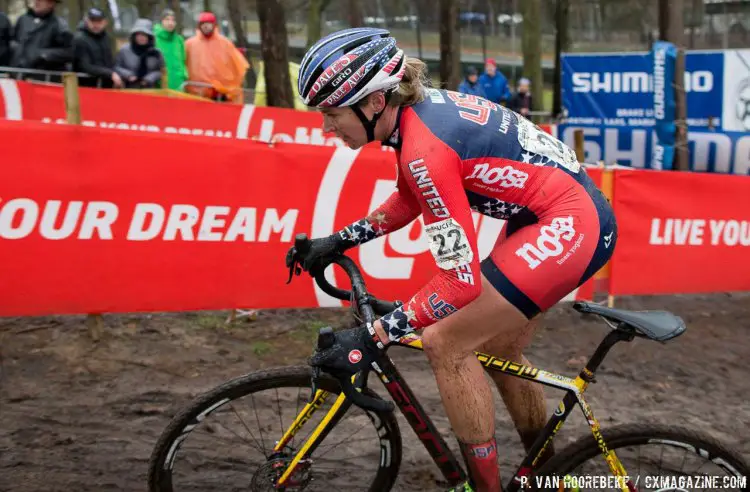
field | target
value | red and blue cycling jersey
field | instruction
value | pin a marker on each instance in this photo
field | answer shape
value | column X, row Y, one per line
column 460, row 153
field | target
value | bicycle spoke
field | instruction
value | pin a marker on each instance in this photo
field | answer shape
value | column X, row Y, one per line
column 346, row 439
column 242, row 421
column 241, row 438
column 296, row 412
column 278, row 406
column 257, row 419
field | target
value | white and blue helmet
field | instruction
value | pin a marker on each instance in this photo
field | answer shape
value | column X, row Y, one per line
column 345, row 66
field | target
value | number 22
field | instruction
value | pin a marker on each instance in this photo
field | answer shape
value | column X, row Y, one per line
column 457, row 244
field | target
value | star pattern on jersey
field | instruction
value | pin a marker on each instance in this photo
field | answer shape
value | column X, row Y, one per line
column 497, row 208
column 537, row 159
column 361, row 231
column 397, row 324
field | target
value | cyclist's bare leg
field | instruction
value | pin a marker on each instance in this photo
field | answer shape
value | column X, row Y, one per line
column 465, row 391
column 524, row 399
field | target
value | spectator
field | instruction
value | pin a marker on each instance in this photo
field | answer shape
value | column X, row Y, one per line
column 43, row 39
column 494, row 83
column 92, row 52
column 521, row 102
column 471, row 84
column 5, row 37
column 139, row 63
column 213, row 59
column 172, row 47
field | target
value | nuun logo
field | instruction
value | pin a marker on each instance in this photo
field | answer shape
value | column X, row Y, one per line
column 635, row 82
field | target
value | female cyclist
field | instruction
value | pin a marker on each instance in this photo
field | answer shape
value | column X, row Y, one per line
column 457, row 153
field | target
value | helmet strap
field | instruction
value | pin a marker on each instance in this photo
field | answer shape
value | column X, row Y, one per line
column 370, row 124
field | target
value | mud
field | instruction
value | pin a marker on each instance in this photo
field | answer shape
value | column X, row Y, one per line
column 79, row 414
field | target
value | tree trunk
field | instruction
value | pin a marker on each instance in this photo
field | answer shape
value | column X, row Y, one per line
column 174, row 6
column 356, row 16
column 450, row 53
column 75, row 13
column 274, row 47
column 207, row 6
column 671, row 28
column 144, row 8
column 532, row 49
column 314, row 15
column 562, row 41
column 234, row 9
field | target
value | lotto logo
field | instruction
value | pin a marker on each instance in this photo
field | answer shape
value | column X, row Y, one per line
column 549, row 242
column 507, row 177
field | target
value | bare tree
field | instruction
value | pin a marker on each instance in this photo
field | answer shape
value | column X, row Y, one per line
column 561, row 44
column 234, row 8
column 274, row 48
column 76, row 9
column 532, row 49
column 450, row 53
column 671, row 28
column 355, row 13
column 314, row 14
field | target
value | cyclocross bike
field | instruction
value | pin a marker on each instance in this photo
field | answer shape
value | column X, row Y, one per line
column 318, row 443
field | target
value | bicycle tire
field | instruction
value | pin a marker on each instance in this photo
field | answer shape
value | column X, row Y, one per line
column 698, row 442
column 160, row 470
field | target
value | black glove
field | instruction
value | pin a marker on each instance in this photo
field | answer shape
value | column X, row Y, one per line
column 353, row 351
column 320, row 250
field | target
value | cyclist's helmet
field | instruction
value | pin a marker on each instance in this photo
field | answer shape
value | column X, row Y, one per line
column 345, row 66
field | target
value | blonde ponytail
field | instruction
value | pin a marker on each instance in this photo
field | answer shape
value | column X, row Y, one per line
column 411, row 89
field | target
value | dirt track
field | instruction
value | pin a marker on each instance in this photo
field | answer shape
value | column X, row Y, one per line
column 80, row 415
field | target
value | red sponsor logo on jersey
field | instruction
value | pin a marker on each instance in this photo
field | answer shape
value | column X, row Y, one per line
column 355, row 356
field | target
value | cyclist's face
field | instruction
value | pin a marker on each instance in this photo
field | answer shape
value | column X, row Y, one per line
column 345, row 124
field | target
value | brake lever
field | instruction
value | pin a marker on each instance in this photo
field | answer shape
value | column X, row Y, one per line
column 294, row 269
column 314, row 383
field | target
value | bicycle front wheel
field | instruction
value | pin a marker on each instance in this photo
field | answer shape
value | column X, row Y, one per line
column 656, row 458
column 224, row 440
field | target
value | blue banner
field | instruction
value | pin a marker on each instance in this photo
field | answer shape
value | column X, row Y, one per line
column 663, row 58
column 719, row 152
column 616, row 90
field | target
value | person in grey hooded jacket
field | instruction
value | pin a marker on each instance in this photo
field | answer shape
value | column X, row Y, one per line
column 139, row 63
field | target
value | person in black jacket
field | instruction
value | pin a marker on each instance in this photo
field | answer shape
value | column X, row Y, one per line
column 521, row 102
column 43, row 39
column 6, row 35
column 92, row 53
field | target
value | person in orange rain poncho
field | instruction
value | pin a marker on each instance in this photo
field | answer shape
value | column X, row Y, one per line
column 213, row 59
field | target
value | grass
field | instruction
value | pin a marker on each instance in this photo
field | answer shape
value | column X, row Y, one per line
column 308, row 332
column 209, row 321
column 261, row 348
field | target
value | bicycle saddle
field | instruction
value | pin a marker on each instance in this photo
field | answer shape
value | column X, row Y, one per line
column 656, row 325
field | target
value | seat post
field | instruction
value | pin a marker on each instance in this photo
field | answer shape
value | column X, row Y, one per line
column 621, row 334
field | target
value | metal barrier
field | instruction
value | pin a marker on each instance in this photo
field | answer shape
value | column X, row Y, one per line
column 41, row 76
column 208, row 91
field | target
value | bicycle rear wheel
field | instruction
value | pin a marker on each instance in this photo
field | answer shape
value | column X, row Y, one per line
column 224, row 440
column 656, row 457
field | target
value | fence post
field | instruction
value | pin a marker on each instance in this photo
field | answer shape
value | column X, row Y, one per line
column 578, row 138
column 94, row 322
column 72, row 100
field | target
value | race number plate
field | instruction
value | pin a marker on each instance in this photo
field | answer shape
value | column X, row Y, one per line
column 449, row 244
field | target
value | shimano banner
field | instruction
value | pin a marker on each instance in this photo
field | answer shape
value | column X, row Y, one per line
column 616, row 90
column 663, row 57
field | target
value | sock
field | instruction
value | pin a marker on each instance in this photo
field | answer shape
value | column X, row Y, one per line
column 481, row 460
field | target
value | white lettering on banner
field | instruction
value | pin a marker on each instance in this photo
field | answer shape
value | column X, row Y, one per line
column 150, row 212
column 149, row 220
column 731, row 232
column 18, row 218
column 635, row 82
column 99, row 216
column 50, row 217
column 10, row 225
column 741, row 156
column 721, row 145
column 659, row 84
column 142, row 127
column 690, row 232
column 677, row 231
column 302, row 135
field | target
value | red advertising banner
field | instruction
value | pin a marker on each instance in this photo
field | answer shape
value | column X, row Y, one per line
column 681, row 232
column 127, row 110
column 113, row 221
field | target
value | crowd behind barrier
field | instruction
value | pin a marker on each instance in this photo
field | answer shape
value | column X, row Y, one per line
column 40, row 47
column 188, row 239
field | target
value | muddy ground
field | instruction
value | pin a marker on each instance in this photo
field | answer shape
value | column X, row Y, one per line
column 78, row 414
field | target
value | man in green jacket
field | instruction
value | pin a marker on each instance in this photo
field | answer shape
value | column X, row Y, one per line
column 172, row 46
